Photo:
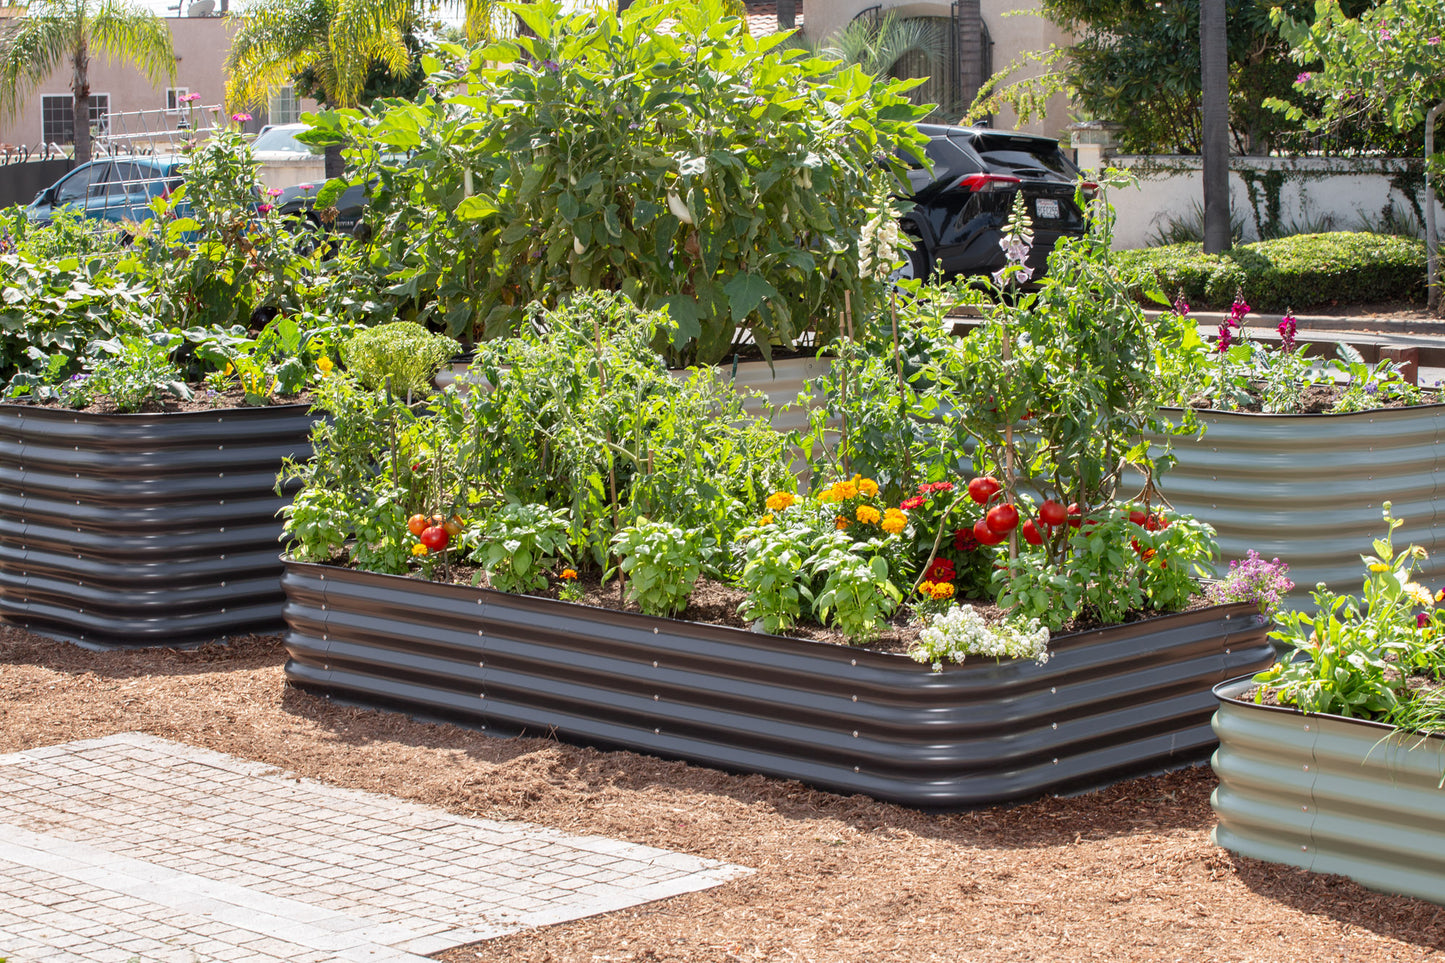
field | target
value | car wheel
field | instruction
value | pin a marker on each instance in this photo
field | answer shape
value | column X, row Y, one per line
column 915, row 265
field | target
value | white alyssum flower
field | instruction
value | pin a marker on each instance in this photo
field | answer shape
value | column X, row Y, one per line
column 961, row 631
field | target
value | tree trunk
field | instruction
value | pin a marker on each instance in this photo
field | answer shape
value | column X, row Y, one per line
column 1214, row 57
column 1432, row 246
column 80, row 108
column 335, row 166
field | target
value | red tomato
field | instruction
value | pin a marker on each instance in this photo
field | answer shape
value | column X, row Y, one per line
column 1002, row 518
column 1075, row 514
column 1031, row 533
column 984, row 534
column 983, row 488
column 1052, row 513
column 435, row 538
column 416, row 524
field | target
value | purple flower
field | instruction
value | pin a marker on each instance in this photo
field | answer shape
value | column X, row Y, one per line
column 1253, row 580
column 1237, row 311
column 1225, row 338
column 551, row 66
column 1287, row 328
column 240, row 118
column 265, row 209
column 1372, row 388
column 1181, row 307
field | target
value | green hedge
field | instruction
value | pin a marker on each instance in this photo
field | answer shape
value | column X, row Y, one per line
column 1301, row 272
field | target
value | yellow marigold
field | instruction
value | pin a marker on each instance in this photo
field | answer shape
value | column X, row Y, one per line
column 840, row 522
column 894, row 521
column 1379, row 567
column 941, row 591
column 926, row 588
column 868, row 487
column 868, row 515
column 827, row 495
column 845, row 490
column 324, row 363
column 418, row 549
column 1419, row 594
column 569, row 574
column 766, row 520
column 778, row 501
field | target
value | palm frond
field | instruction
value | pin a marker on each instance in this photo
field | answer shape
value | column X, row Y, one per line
column 39, row 43
column 132, row 34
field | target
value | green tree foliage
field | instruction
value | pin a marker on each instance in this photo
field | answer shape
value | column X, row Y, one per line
column 65, row 33
column 665, row 154
column 1136, row 63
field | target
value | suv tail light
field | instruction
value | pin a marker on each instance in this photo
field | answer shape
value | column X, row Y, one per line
column 979, row 183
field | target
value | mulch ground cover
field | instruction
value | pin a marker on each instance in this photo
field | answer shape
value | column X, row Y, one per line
column 1124, row 874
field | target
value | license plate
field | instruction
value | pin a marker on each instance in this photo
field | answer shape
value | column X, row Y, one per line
column 1047, row 208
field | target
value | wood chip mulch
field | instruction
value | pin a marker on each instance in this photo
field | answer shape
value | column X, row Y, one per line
column 1124, row 874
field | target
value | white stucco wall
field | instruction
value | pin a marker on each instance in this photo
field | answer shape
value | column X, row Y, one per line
column 1012, row 35
column 1349, row 192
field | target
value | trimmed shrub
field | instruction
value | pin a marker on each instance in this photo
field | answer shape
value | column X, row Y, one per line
column 1299, row 272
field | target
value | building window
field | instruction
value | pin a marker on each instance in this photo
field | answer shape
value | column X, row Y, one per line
column 284, row 108
column 173, row 98
column 57, row 114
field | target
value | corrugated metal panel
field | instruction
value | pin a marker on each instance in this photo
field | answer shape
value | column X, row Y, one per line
column 1330, row 795
column 1109, row 704
column 129, row 530
column 1309, row 488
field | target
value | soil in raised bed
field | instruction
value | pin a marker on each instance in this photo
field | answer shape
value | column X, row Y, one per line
column 204, row 399
column 1122, row 875
column 1318, row 400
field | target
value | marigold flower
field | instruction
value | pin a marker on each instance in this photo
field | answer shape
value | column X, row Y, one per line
column 868, row 487
column 418, row 549
column 778, row 501
column 868, row 514
column 1379, row 567
column 569, row 574
column 926, row 588
column 894, row 521
column 325, row 365
column 840, row 522
column 909, row 504
column 766, row 519
column 845, row 490
column 941, row 591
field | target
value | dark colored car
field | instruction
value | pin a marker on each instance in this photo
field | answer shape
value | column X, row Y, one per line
column 111, row 188
column 963, row 202
column 299, row 202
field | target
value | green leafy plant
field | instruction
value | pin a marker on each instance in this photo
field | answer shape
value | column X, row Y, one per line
column 663, row 153
column 857, row 593
column 131, row 370
column 519, row 544
column 662, row 563
column 772, row 573
column 402, row 355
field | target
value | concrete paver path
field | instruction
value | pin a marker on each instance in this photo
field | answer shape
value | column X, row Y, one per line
column 134, row 849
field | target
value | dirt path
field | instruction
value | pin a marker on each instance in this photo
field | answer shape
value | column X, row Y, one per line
column 1124, row 874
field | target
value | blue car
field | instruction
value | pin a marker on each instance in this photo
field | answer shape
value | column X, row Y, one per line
column 110, row 188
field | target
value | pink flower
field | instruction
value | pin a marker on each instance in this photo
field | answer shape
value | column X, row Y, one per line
column 1385, row 34
column 274, row 192
column 1303, row 78
column 1287, row 328
column 1434, row 41
column 1225, row 338
column 307, row 187
column 265, row 209
column 241, row 118
column 1421, row 620
column 188, row 98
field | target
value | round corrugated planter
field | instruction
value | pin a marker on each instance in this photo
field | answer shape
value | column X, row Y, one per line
column 1109, row 704
column 1309, row 488
column 1330, row 795
column 144, row 529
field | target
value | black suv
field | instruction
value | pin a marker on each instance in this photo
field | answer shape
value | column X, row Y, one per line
column 963, row 203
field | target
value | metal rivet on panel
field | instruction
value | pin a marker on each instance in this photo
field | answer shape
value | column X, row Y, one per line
column 1304, row 809
column 481, row 695
column 1053, row 690
column 855, row 733
column 654, row 663
column 657, row 732
column 654, row 697
column 1307, row 768
column 1056, row 762
column 852, row 661
column 855, row 769
column 1304, row 849
column 1228, row 651
column 855, row 698
column 1307, row 728
column 654, row 630
column 481, row 665
column 1053, row 725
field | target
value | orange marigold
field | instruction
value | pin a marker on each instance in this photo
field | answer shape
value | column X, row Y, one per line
column 868, row 515
column 840, row 522
column 941, row 591
column 569, row 574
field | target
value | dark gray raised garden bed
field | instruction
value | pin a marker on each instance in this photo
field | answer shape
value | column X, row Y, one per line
column 146, row 529
column 1308, row 488
column 1330, row 794
column 1109, row 704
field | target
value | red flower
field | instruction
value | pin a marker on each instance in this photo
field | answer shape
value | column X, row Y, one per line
column 941, row 571
column 1421, row 620
column 928, row 488
column 964, row 540
column 909, row 504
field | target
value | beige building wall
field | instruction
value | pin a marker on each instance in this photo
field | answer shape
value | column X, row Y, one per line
column 1012, row 36
column 201, row 45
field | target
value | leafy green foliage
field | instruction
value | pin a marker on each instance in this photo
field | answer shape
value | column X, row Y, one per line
column 1295, row 272
column 662, row 562
column 665, row 154
column 402, row 356
column 519, row 544
column 772, row 573
column 130, row 370
column 857, row 594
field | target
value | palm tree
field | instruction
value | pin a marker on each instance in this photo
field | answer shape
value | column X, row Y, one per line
column 335, row 43
column 53, row 33
column 877, row 45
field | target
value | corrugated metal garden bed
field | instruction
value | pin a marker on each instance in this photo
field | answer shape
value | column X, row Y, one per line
column 1109, row 704
column 143, row 529
column 1330, row 794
